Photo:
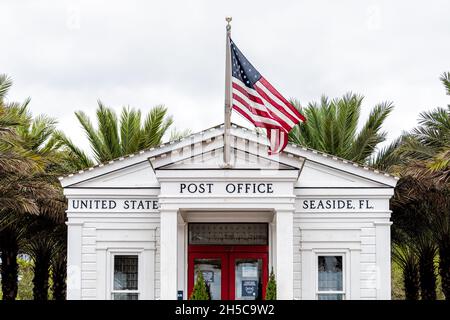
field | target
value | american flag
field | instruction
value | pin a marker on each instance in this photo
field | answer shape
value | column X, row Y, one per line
column 260, row 103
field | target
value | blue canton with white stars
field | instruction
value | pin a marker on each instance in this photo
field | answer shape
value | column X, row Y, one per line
column 242, row 69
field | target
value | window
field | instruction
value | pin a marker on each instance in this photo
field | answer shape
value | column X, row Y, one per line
column 330, row 285
column 228, row 233
column 125, row 279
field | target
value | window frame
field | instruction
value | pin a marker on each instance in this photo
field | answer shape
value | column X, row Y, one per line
column 342, row 292
column 111, row 290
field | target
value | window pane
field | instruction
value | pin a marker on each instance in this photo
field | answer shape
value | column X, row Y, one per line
column 333, row 296
column 125, row 296
column 330, row 273
column 125, row 272
column 248, row 284
column 228, row 233
column 211, row 270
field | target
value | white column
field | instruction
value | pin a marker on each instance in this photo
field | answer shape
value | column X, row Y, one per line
column 74, row 245
column 284, row 255
column 383, row 259
column 273, row 244
column 168, row 244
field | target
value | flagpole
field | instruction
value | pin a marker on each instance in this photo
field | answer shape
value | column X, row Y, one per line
column 228, row 98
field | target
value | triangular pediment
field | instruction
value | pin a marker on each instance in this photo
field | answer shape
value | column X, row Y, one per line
column 248, row 151
column 140, row 175
column 315, row 175
column 239, row 159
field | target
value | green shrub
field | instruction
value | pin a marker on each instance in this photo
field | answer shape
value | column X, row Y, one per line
column 201, row 290
column 271, row 289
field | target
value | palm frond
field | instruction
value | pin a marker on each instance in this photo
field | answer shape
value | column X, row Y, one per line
column 36, row 133
column 108, row 131
column 441, row 161
column 412, row 148
column 95, row 141
column 77, row 157
column 130, row 130
column 5, row 84
column 370, row 136
column 179, row 134
column 155, row 126
column 331, row 127
column 388, row 157
column 404, row 255
column 348, row 109
column 445, row 79
column 434, row 127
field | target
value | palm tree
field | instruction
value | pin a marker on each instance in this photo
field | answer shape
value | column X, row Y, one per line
column 410, row 233
column 118, row 136
column 421, row 205
column 332, row 127
column 40, row 245
column 11, row 237
column 59, row 262
column 12, row 158
column 26, row 189
column 406, row 258
column 426, row 252
column 427, row 152
column 32, row 190
column 36, row 136
column 12, row 155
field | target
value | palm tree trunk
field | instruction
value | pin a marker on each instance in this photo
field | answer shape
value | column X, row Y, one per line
column 59, row 279
column 411, row 281
column 10, row 268
column 427, row 275
column 444, row 268
column 41, row 275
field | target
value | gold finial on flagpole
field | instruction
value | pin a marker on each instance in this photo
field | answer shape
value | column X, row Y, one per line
column 228, row 20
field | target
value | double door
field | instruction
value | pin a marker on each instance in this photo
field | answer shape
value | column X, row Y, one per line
column 231, row 272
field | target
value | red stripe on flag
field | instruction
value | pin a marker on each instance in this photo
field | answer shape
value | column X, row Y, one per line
column 273, row 140
column 274, row 104
column 246, row 93
column 251, row 108
column 278, row 140
column 268, row 113
column 274, row 91
column 256, row 123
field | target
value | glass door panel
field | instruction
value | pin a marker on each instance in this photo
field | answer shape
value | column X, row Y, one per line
column 248, row 279
column 211, row 270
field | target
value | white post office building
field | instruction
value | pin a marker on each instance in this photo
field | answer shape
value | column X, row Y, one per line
column 145, row 225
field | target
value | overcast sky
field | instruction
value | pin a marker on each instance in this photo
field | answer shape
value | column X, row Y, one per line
column 67, row 54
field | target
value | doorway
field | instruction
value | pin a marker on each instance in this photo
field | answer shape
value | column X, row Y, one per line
column 232, row 257
column 231, row 272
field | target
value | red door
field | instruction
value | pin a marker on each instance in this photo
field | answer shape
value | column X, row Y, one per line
column 232, row 272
